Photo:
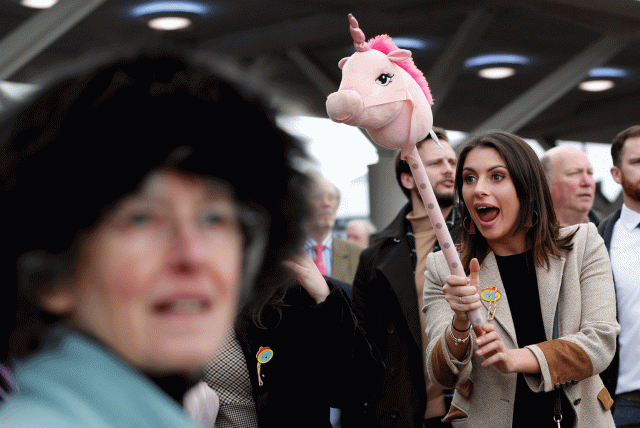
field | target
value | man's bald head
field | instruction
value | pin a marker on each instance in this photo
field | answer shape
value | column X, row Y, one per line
column 570, row 176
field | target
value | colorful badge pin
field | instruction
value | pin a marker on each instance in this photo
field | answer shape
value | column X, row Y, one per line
column 491, row 295
column 264, row 355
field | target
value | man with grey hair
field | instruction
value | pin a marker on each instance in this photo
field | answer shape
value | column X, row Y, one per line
column 573, row 189
column 359, row 230
column 335, row 257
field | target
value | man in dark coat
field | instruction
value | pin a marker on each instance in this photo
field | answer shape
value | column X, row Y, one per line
column 387, row 298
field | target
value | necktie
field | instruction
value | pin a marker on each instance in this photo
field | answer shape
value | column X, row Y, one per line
column 318, row 260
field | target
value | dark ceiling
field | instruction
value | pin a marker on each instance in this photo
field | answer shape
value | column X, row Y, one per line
column 292, row 49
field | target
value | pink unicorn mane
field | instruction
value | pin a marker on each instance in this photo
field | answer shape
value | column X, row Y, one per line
column 384, row 44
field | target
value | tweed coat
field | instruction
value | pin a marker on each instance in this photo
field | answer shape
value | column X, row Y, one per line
column 581, row 284
column 344, row 260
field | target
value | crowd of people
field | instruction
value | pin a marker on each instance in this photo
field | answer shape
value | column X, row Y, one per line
column 160, row 274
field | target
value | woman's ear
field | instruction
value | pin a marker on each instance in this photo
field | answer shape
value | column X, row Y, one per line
column 407, row 181
column 59, row 300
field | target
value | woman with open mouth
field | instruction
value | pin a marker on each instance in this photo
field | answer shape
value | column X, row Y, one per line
column 548, row 293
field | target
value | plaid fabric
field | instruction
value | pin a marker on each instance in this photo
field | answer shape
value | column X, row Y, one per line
column 228, row 376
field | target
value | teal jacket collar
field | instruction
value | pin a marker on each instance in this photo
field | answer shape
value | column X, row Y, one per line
column 75, row 382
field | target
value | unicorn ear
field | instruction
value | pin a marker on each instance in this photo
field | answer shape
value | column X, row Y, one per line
column 399, row 55
column 342, row 62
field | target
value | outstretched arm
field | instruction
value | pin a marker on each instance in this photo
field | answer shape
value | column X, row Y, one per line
column 309, row 276
column 461, row 293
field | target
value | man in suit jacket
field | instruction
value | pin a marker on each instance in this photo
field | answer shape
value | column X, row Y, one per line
column 621, row 234
column 335, row 257
column 388, row 298
column 344, row 259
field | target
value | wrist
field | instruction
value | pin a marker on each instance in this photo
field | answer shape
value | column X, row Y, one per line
column 459, row 340
column 525, row 361
column 460, row 325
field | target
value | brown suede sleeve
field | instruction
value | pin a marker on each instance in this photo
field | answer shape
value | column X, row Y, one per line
column 605, row 398
column 465, row 389
column 568, row 362
column 441, row 370
column 454, row 413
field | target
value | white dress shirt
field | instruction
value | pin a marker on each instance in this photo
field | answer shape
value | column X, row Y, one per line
column 625, row 262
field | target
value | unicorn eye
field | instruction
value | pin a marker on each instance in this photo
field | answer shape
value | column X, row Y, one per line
column 384, row 79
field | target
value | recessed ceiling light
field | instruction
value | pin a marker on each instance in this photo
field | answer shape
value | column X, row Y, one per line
column 168, row 23
column 596, row 85
column 495, row 59
column 170, row 7
column 608, row 72
column 412, row 43
column 38, row 4
column 496, row 72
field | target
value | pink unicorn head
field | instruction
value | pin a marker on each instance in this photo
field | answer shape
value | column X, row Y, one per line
column 383, row 92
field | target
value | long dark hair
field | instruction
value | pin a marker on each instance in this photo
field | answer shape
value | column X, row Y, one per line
column 533, row 193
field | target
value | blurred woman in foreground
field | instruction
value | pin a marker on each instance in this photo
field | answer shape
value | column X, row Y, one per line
column 132, row 232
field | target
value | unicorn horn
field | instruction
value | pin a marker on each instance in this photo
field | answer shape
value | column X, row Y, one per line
column 358, row 35
column 435, row 139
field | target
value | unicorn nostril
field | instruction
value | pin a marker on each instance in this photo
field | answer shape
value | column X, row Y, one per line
column 343, row 105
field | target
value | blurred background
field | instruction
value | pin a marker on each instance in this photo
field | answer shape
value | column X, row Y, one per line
column 552, row 71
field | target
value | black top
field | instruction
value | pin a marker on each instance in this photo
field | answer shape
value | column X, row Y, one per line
column 518, row 276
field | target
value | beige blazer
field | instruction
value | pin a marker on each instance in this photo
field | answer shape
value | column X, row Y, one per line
column 581, row 283
column 344, row 260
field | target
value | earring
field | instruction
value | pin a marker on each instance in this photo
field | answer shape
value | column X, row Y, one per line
column 529, row 223
column 472, row 226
